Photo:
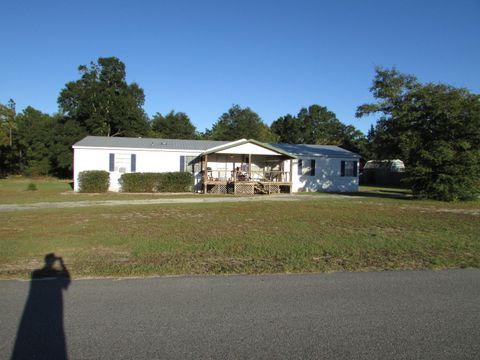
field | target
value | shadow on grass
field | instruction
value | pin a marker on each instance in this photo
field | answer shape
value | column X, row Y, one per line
column 40, row 334
column 392, row 191
column 382, row 193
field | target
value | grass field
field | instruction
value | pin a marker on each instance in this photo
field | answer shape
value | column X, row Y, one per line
column 14, row 191
column 358, row 233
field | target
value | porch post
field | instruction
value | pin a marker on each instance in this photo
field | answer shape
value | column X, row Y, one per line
column 282, row 172
column 291, row 173
column 205, row 174
column 249, row 167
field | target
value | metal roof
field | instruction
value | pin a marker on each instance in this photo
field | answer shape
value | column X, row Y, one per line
column 295, row 150
column 300, row 150
column 148, row 143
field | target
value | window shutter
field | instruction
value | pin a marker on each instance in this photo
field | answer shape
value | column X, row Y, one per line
column 355, row 173
column 342, row 168
column 299, row 166
column 189, row 164
column 197, row 167
column 111, row 165
column 312, row 167
column 182, row 163
column 133, row 163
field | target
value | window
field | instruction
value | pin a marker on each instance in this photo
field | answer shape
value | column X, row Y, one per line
column 184, row 163
column 348, row 168
column 122, row 162
column 306, row 167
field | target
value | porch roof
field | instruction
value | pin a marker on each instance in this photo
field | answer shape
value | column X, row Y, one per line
column 233, row 144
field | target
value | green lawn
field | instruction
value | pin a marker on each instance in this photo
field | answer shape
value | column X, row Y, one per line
column 14, row 191
column 328, row 234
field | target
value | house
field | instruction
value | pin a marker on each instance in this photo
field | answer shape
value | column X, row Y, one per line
column 237, row 167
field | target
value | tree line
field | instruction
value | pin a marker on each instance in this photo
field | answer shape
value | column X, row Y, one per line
column 433, row 128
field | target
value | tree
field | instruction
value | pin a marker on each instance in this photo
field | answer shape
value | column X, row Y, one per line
column 8, row 126
column 33, row 142
column 42, row 145
column 356, row 141
column 318, row 125
column 288, row 129
column 433, row 128
column 392, row 136
column 240, row 123
column 7, row 122
column 103, row 103
column 173, row 126
column 66, row 132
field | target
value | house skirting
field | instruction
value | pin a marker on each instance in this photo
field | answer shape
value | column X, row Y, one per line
column 246, row 187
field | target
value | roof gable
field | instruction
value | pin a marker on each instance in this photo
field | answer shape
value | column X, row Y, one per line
column 250, row 146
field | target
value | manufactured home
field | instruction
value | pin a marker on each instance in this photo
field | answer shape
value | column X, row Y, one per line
column 243, row 167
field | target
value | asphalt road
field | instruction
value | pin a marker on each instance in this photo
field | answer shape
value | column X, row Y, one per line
column 385, row 315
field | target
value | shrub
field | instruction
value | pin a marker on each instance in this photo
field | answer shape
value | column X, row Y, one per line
column 157, row 182
column 94, row 181
column 31, row 187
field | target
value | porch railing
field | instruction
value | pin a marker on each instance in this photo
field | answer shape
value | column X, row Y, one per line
column 254, row 175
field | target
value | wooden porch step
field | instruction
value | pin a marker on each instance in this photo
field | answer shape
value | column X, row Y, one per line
column 260, row 188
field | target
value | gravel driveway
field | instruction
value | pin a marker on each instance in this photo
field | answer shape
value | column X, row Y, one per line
column 192, row 200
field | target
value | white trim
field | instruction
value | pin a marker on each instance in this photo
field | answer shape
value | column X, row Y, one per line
column 248, row 148
column 230, row 144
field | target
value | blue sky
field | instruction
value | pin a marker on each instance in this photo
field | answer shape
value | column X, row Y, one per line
column 275, row 57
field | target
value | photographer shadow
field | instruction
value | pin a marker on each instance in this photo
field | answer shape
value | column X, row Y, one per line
column 41, row 334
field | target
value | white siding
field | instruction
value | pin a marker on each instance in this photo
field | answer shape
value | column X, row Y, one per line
column 327, row 177
column 146, row 161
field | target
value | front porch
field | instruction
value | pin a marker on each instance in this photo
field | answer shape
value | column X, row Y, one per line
column 245, row 168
